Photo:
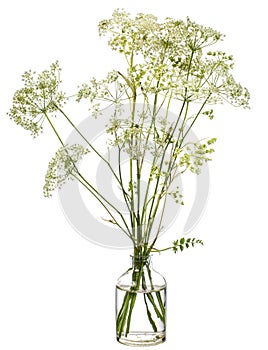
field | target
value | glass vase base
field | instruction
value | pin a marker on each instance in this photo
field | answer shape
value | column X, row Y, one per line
column 142, row 338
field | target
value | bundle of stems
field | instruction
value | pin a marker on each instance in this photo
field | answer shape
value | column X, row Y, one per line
column 152, row 297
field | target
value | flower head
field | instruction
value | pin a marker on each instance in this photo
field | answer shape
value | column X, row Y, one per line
column 62, row 167
column 38, row 98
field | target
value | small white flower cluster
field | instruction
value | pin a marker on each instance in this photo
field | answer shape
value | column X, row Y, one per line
column 173, row 57
column 194, row 155
column 39, row 97
column 108, row 90
column 62, row 167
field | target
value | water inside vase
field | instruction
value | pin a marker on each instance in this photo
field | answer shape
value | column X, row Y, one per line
column 141, row 316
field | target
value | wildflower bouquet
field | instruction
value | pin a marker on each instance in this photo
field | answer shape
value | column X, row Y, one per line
column 168, row 65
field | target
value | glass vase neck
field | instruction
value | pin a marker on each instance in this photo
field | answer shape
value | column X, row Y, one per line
column 140, row 259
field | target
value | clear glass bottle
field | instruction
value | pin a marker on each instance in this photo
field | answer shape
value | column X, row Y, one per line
column 141, row 305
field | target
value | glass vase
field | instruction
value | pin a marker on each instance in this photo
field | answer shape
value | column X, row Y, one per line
column 141, row 305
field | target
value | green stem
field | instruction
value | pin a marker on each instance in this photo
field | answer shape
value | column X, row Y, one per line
column 155, row 250
column 91, row 188
column 151, row 217
column 154, row 159
column 172, row 163
column 185, row 101
column 125, row 194
column 90, row 145
column 104, row 206
column 194, row 120
column 138, row 277
column 132, row 200
column 159, row 298
column 149, row 315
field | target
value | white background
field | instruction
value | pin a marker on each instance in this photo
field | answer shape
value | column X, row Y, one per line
column 56, row 288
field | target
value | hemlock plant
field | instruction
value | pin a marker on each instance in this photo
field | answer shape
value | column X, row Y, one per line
column 167, row 66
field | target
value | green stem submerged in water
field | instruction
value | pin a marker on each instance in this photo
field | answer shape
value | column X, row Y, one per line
column 142, row 285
